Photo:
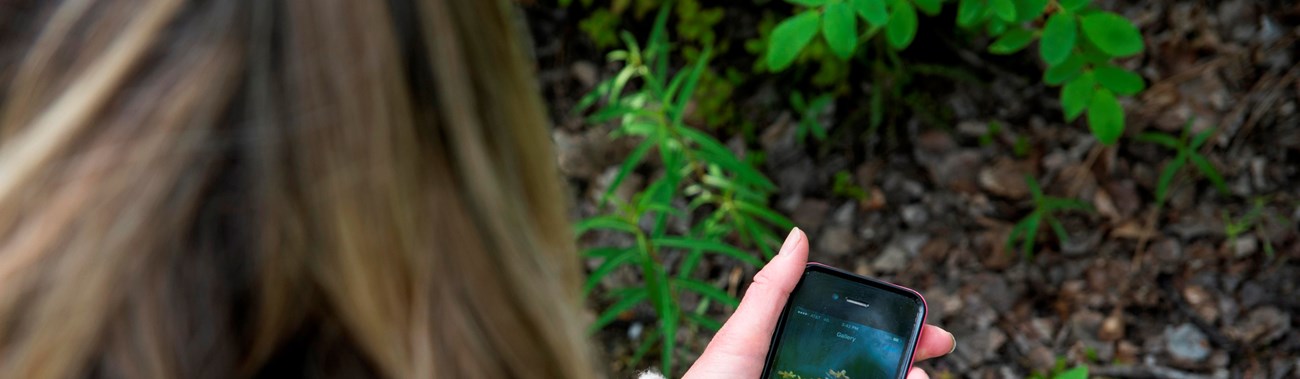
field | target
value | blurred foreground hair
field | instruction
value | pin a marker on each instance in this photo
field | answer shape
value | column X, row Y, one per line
column 270, row 188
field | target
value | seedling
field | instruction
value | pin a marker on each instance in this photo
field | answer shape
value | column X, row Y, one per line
column 809, row 111
column 1045, row 210
column 1186, row 147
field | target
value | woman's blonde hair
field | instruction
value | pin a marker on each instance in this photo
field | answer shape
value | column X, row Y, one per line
column 240, row 188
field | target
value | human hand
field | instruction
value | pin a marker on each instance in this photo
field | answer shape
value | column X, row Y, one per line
column 740, row 347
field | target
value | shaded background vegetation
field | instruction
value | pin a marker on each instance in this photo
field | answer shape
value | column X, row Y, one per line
column 950, row 166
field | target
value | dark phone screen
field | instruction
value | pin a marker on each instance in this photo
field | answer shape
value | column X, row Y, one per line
column 843, row 329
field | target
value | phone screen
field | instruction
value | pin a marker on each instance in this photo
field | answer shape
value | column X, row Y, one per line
column 842, row 326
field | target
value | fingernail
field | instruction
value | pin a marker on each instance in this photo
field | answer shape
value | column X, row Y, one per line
column 954, row 343
column 791, row 240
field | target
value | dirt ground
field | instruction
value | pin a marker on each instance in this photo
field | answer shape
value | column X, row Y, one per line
column 1205, row 287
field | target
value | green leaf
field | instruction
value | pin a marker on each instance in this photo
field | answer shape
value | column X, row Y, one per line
column 808, row 3
column 708, row 291
column 1004, row 9
column 995, row 27
column 1058, row 39
column 1210, row 173
column 1105, row 117
column 1118, row 80
column 1069, row 69
column 608, row 266
column 678, row 110
column 1112, row 34
column 628, row 165
column 790, row 37
column 1053, row 204
column 1031, row 233
column 1076, row 95
column 603, row 252
column 1061, row 234
column 604, row 222
column 718, row 154
column 840, row 28
column 1034, row 188
column 969, row 12
column 610, row 314
column 1073, row 5
column 705, row 321
column 1080, row 372
column 902, row 25
column 668, row 329
column 1200, row 138
column 1028, row 10
column 1159, row 139
column 1012, row 41
column 766, row 214
column 1167, row 176
column 929, row 7
column 709, row 246
column 871, row 10
column 648, row 340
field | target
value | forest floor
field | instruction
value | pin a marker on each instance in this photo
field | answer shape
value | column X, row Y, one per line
column 1204, row 286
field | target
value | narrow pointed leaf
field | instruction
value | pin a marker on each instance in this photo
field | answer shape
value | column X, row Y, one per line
column 708, row 291
column 1210, row 173
column 623, row 305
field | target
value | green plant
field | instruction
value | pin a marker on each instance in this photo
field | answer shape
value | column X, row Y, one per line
column 844, row 186
column 1045, row 209
column 701, row 182
column 1186, row 152
column 1077, row 42
column 809, row 111
column 1078, row 372
column 1254, row 219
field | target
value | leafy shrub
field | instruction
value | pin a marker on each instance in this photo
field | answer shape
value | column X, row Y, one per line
column 1077, row 42
column 702, row 181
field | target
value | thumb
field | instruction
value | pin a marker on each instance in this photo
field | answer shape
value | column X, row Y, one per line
column 749, row 330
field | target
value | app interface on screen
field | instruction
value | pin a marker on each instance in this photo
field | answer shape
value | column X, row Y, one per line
column 843, row 330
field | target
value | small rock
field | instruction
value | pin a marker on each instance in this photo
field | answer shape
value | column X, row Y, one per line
column 585, row 72
column 1112, row 328
column 809, row 214
column 1006, row 178
column 1085, row 323
column 955, row 171
column 1244, row 246
column 898, row 253
column 836, row 240
column 1261, row 327
column 1127, row 352
column 982, row 345
column 914, row 215
column 1202, row 302
column 1186, row 344
column 1041, row 359
column 844, row 214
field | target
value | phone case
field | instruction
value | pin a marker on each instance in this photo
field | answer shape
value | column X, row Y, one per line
column 911, row 349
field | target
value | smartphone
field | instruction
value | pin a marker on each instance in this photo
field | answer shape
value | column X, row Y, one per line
column 840, row 325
